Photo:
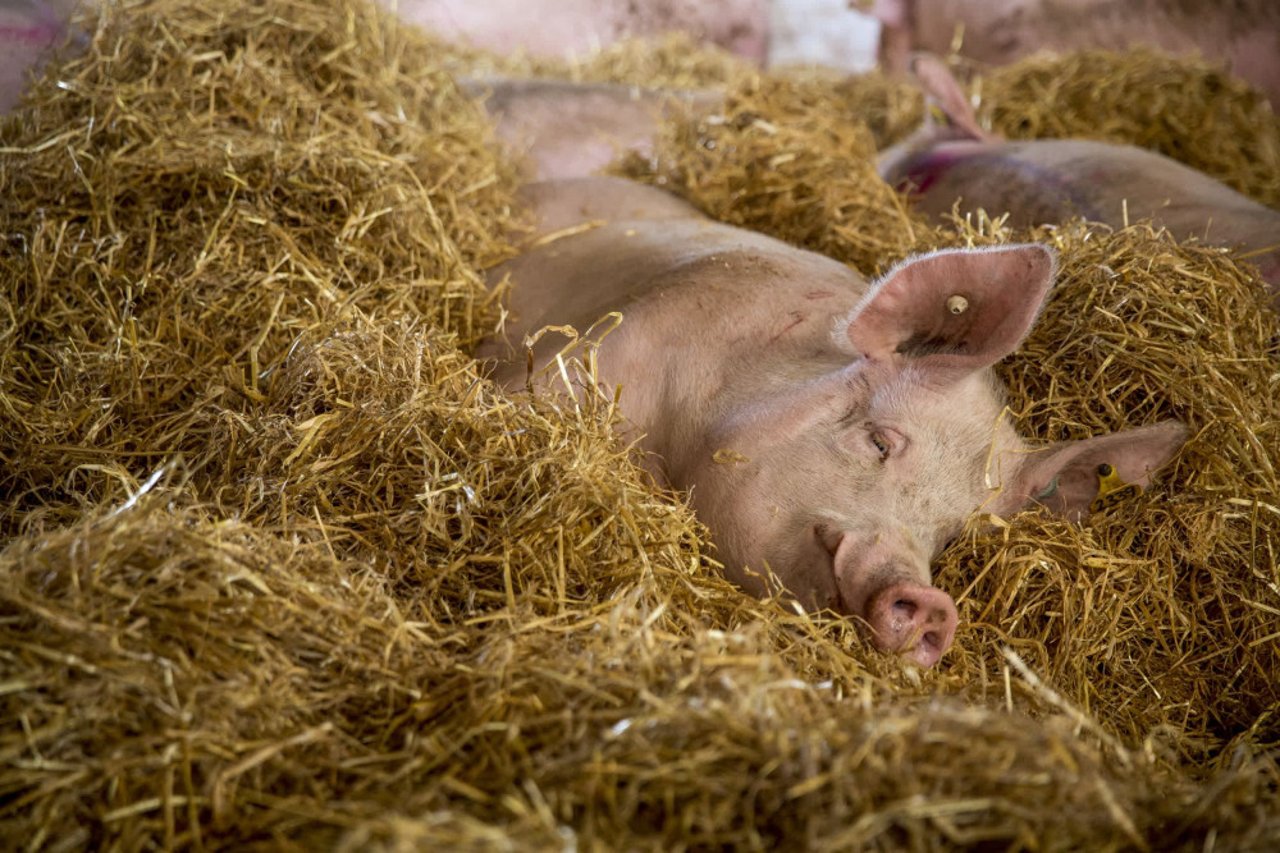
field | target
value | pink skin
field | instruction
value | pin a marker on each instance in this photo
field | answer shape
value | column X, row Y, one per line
column 1053, row 180
column 903, row 614
column 861, row 421
column 916, row 621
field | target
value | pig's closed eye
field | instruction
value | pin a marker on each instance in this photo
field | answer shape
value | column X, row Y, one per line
column 885, row 442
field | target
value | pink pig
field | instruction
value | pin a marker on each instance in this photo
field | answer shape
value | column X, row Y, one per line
column 832, row 431
column 1052, row 180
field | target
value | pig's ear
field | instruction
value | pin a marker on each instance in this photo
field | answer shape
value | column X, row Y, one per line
column 954, row 311
column 1064, row 477
column 944, row 91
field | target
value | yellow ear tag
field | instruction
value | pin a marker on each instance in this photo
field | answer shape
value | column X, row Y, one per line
column 1111, row 489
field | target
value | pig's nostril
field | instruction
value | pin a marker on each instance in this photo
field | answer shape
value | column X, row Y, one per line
column 913, row 619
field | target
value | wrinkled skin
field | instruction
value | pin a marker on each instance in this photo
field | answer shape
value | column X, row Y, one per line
column 1053, row 180
column 1243, row 35
column 833, row 432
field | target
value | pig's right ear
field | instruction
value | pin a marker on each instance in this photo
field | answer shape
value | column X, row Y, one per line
column 954, row 311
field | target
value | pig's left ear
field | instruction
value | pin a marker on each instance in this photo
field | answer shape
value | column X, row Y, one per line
column 956, row 310
column 1065, row 477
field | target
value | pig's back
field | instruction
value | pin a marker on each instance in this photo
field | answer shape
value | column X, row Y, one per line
column 1049, row 181
column 671, row 271
column 618, row 266
column 569, row 202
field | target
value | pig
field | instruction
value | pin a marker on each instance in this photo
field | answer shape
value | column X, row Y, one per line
column 570, row 28
column 1244, row 35
column 1051, row 181
column 834, row 434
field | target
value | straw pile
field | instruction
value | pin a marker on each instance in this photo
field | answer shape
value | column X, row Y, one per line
column 282, row 568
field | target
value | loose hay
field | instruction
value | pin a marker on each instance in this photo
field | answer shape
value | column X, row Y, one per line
column 199, row 192
column 282, row 568
column 1184, row 579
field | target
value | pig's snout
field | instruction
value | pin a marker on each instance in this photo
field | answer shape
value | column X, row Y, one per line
column 915, row 620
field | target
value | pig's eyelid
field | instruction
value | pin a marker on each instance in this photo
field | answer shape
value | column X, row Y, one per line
column 887, row 441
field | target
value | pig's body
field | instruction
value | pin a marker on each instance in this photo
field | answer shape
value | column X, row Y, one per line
column 835, row 432
column 1053, row 180
column 1049, row 181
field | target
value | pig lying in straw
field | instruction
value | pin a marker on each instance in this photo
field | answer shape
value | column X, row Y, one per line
column 832, row 431
column 1052, row 180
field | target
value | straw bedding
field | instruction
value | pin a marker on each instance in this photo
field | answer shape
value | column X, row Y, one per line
column 281, row 568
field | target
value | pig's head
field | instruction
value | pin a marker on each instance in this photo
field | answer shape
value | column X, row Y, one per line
column 847, row 484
